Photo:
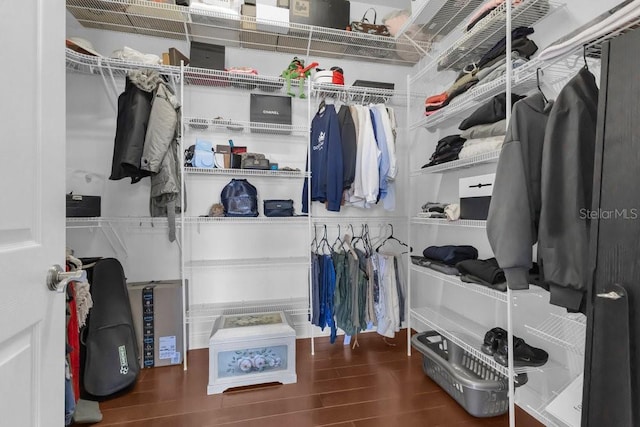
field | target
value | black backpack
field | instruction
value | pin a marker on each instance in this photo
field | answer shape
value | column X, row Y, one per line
column 109, row 350
column 240, row 199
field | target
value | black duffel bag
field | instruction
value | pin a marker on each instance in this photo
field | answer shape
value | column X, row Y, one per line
column 239, row 199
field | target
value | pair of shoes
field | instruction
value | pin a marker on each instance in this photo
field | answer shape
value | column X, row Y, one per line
column 492, row 340
column 496, row 344
column 523, row 354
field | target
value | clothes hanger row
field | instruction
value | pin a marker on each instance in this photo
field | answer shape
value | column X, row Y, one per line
column 352, row 241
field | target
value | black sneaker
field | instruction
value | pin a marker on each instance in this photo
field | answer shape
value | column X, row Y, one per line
column 523, row 354
column 492, row 340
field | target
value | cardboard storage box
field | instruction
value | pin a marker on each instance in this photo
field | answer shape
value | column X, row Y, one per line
column 251, row 349
column 250, row 38
column 157, row 319
column 321, row 13
column 475, row 196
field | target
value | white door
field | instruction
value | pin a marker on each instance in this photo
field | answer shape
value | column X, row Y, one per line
column 32, row 236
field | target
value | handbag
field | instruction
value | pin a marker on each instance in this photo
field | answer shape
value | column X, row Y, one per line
column 376, row 48
column 254, row 161
column 364, row 26
column 239, row 199
column 278, row 208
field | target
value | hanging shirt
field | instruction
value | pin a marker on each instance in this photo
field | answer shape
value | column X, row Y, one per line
column 381, row 140
column 326, row 161
column 366, row 182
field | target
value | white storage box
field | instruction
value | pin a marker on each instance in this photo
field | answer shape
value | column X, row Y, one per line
column 251, row 349
column 475, row 196
column 272, row 19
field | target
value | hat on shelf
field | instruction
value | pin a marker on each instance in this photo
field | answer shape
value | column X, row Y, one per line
column 81, row 45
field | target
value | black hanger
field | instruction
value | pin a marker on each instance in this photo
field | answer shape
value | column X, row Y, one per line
column 322, row 106
column 314, row 242
column 392, row 237
column 584, row 56
column 538, row 70
column 338, row 240
column 324, row 242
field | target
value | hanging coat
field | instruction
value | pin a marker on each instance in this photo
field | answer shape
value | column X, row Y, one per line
column 134, row 108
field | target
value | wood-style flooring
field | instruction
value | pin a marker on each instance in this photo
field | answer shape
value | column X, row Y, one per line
column 375, row 384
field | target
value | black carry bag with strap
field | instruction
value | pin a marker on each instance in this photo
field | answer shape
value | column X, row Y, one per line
column 110, row 357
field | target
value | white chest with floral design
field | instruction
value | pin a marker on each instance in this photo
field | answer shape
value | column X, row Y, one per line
column 251, row 349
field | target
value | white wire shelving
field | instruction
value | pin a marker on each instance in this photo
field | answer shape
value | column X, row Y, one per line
column 458, row 329
column 340, row 220
column 232, row 29
column 246, row 172
column 567, row 331
column 92, row 222
column 472, row 45
column 455, row 280
column 472, row 223
column 469, row 162
column 238, row 126
column 253, row 263
column 209, row 312
column 202, row 220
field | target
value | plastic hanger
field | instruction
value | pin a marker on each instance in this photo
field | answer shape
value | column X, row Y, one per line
column 538, row 70
column 324, row 242
column 392, row 237
column 314, row 242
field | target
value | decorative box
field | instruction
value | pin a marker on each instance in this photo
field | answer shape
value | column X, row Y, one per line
column 475, row 196
column 251, row 349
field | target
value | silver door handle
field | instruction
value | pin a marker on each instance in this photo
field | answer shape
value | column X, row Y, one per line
column 611, row 295
column 57, row 278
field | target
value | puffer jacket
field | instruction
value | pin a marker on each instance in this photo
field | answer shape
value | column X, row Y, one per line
column 134, row 107
column 161, row 158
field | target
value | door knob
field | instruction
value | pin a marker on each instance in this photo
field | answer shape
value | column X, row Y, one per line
column 57, row 278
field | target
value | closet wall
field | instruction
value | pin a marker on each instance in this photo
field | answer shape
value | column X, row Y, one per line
column 143, row 247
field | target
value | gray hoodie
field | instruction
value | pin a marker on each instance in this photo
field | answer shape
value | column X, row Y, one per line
column 514, row 214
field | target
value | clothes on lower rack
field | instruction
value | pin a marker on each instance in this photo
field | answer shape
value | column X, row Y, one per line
column 446, row 150
column 357, row 293
column 486, row 270
column 435, row 265
column 498, row 128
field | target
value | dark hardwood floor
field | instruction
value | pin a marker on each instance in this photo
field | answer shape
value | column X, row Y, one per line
column 375, row 384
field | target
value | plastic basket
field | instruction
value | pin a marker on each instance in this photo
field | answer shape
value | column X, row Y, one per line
column 477, row 387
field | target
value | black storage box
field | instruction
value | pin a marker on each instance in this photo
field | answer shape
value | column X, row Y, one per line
column 204, row 55
column 270, row 109
column 375, row 85
column 475, row 196
column 321, row 13
column 82, row 206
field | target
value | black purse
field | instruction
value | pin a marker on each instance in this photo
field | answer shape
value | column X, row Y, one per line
column 278, row 208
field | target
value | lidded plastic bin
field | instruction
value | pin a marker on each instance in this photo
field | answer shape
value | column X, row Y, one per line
column 478, row 387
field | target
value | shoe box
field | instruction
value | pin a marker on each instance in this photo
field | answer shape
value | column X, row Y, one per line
column 157, row 319
column 270, row 109
column 475, row 196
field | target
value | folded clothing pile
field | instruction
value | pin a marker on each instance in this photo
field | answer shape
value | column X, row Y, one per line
column 483, row 272
column 490, row 67
column 447, row 150
column 450, row 211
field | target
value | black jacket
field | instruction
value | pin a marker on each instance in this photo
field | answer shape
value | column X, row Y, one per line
column 134, row 107
column 567, row 185
column 349, row 146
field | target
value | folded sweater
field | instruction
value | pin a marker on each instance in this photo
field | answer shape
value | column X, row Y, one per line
column 450, row 254
column 475, row 147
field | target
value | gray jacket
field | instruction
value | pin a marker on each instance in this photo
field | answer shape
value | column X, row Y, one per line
column 567, row 185
column 162, row 158
column 514, row 214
